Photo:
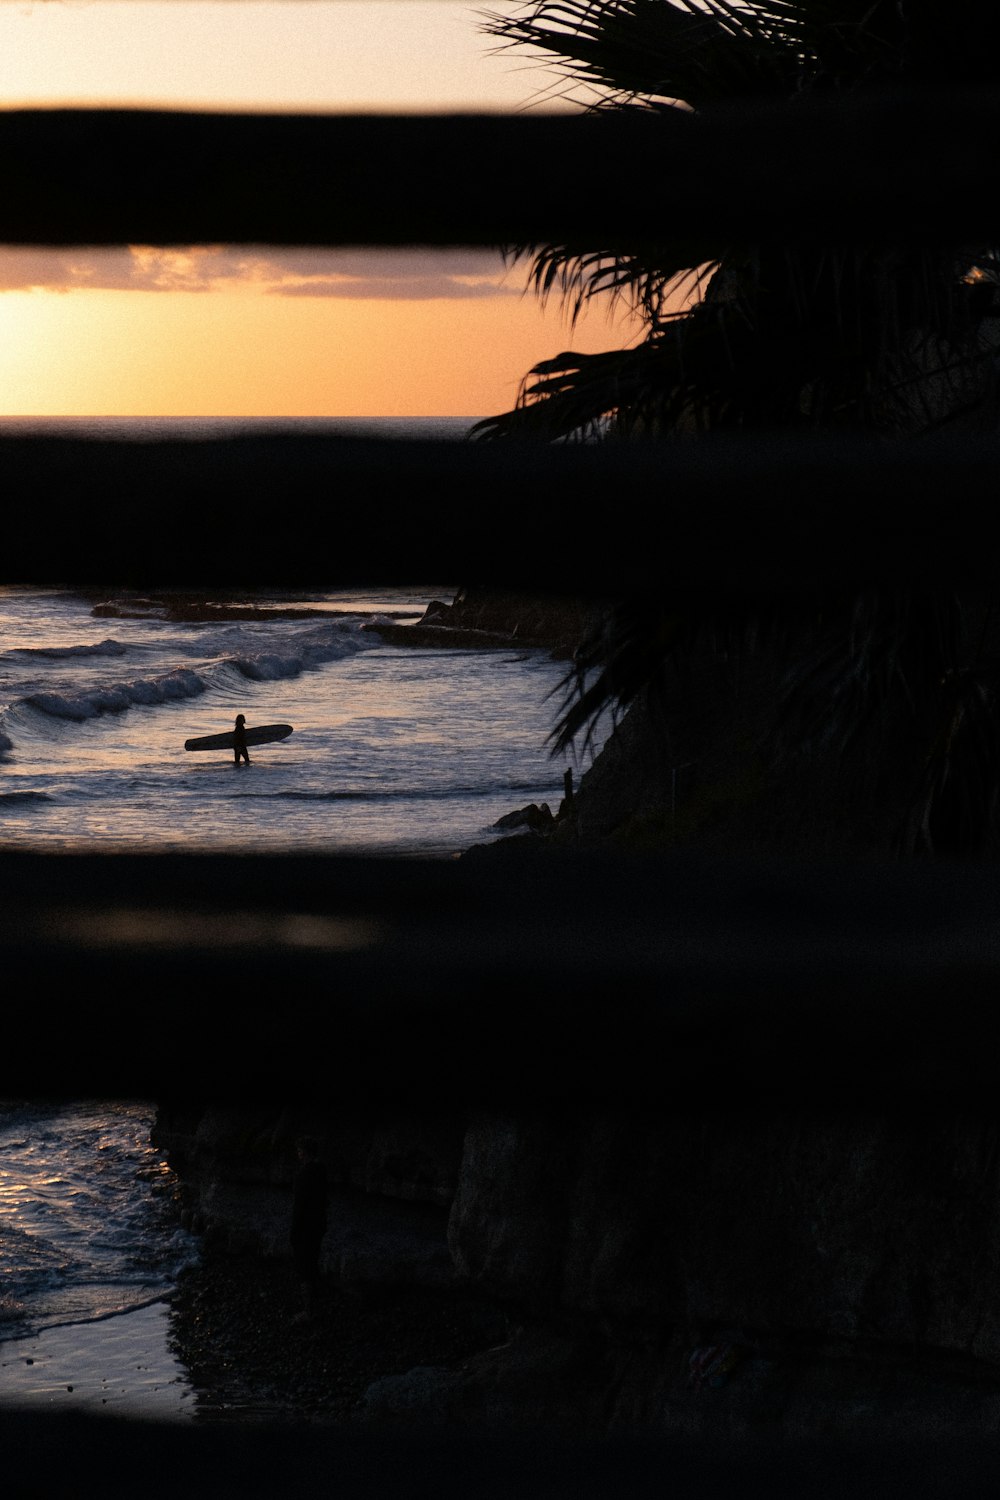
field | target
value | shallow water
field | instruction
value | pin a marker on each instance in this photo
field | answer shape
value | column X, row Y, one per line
column 395, row 750
column 89, row 1226
column 121, row 1366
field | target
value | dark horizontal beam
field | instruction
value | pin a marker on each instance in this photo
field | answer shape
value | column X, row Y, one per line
column 882, row 168
column 51, row 1452
column 659, row 982
column 749, row 516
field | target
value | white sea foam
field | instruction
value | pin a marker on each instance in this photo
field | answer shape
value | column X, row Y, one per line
column 88, row 1228
column 117, row 698
column 269, row 666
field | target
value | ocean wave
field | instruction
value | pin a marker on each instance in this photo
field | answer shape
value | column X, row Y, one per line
column 399, row 794
column 208, row 612
column 25, row 797
column 182, row 682
column 59, row 653
column 73, row 1312
column 269, row 666
column 311, row 649
column 306, row 796
column 408, row 794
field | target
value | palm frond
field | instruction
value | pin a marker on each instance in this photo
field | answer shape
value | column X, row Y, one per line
column 645, row 284
column 874, row 658
column 883, row 339
column 623, row 656
column 681, row 378
column 702, row 51
column 954, row 807
column 660, row 49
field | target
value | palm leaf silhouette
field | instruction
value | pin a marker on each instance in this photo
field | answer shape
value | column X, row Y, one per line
column 893, row 340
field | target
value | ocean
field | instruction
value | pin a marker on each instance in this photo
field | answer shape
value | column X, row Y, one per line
column 395, row 751
column 89, row 1225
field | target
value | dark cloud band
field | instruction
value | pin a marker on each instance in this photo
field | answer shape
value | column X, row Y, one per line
column 393, row 275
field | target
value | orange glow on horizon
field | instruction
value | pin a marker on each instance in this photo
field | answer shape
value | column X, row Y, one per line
column 237, row 353
column 115, row 343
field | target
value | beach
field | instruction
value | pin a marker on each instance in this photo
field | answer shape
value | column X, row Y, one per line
column 227, row 1347
column 123, row 1366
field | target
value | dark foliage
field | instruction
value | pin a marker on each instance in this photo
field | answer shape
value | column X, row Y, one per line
column 893, row 340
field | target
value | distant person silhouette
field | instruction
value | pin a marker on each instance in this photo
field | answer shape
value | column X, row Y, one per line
column 308, row 1222
column 240, row 745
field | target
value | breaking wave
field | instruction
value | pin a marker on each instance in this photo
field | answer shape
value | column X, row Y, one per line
column 182, row 682
column 59, row 653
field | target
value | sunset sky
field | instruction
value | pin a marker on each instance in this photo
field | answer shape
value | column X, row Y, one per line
column 244, row 331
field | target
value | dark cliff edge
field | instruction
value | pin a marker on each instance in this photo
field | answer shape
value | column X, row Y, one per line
column 772, row 1273
column 725, row 1170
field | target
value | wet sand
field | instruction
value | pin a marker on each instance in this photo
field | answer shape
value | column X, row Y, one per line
column 123, row 1365
column 228, row 1347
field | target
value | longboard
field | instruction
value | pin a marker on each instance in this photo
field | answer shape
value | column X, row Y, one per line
column 261, row 734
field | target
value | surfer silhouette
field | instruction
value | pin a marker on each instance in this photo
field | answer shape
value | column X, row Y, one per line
column 240, row 740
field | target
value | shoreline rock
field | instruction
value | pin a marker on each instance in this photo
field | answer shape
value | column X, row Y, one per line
column 233, row 1328
column 489, row 618
column 613, row 1274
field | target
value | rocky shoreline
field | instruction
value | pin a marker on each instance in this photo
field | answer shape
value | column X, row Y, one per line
column 742, row 1228
column 388, row 1359
column 490, row 618
column 609, row 1276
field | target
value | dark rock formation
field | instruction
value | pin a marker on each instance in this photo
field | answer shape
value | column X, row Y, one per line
column 721, row 1258
column 533, row 817
column 788, row 1273
column 490, row 617
column 391, row 1184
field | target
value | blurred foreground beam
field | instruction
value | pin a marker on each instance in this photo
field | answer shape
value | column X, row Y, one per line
column 747, row 516
column 47, row 1453
column 619, row 982
column 887, row 168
